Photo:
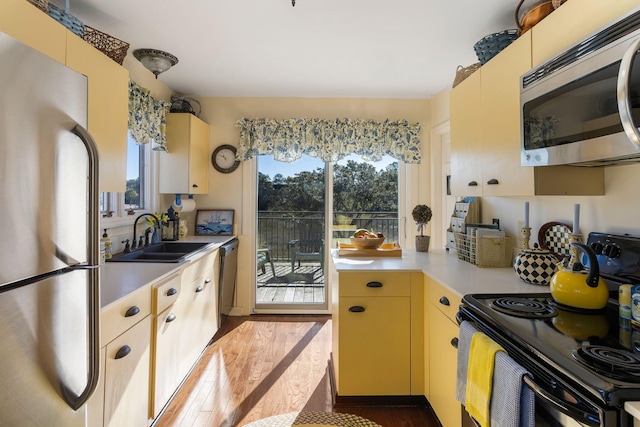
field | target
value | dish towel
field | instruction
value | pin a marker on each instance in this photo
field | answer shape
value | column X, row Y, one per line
column 512, row 403
column 480, row 377
column 464, row 343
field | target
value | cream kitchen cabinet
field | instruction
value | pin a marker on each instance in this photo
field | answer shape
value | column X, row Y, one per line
column 25, row 22
column 572, row 22
column 485, row 136
column 122, row 395
column 108, row 87
column 373, row 325
column 108, row 82
column 185, row 319
column 184, row 168
column 443, row 335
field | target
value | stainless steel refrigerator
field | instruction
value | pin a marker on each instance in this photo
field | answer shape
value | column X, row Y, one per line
column 49, row 248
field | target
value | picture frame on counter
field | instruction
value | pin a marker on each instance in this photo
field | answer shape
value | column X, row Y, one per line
column 214, row 222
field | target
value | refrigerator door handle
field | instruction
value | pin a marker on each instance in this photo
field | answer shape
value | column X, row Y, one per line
column 93, row 257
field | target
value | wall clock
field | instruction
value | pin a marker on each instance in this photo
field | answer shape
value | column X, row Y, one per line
column 224, row 159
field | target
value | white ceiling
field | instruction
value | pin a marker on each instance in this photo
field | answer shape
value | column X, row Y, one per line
column 319, row 48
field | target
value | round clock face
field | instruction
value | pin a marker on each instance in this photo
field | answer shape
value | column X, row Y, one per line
column 224, row 159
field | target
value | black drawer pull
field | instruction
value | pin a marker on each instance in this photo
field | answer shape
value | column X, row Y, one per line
column 199, row 289
column 195, row 185
column 374, row 285
column 171, row 291
column 207, row 280
column 132, row 311
column 171, row 317
column 123, row 351
column 444, row 301
column 493, row 181
column 473, row 184
column 356, row 309
column 454, row 342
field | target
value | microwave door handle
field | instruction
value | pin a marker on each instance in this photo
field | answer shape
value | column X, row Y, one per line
column 561, row 406
column 624, row 102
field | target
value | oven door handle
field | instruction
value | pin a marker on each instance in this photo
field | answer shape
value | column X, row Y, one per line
column 572, row 412
column 624, row 102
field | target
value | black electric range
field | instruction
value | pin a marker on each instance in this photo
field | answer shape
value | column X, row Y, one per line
column 583, row 365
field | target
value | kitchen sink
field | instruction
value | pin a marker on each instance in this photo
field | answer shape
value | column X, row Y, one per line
column 161, row 252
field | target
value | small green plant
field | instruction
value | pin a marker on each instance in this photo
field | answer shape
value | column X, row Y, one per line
column 421, row 215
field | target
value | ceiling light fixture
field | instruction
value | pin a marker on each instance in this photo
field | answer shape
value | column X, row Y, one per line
column 293, row 2
column 155, row 60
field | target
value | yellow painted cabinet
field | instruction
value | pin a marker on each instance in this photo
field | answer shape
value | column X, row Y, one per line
column 184, row 168
column 466, row 141
column 485, row 136
column 372, row 334
column 572, row 22
column 127, row 377
column 108, row 87
column 443, row 332
column 25, row 22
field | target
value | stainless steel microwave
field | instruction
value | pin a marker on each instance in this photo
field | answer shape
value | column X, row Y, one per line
column 583, row 106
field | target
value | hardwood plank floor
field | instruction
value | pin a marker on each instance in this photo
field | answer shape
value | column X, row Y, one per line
column 264, row 365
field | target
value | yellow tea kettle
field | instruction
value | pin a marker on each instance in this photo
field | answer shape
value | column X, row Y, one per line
column 579, row 287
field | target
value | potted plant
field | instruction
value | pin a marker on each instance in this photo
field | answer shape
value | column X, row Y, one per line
column 422, row 215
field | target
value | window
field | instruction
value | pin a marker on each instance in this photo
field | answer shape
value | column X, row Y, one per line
column 137, row 196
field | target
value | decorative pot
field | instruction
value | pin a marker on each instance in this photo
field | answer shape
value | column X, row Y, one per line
column 422, row 243
column 535, row 266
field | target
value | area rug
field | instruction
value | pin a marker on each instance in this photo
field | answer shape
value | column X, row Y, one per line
column 313, row 419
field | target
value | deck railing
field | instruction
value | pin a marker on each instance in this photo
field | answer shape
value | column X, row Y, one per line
column 277, row 229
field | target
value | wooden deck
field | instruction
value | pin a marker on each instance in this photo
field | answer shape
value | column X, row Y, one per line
column 304, row 285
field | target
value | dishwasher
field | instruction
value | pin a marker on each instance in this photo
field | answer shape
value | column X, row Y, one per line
column 227, row 280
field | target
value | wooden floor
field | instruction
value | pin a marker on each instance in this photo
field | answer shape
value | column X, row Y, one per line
column 305, row 284
column 259, row 366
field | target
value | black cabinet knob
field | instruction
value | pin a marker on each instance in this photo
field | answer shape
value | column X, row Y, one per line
column 473, row 184
column 356, row 309
column 374, row 285
column 493, row 181
column 171, row 291
column 123, row 351
column 132, row 311
column 444, row 301
column 454, row 342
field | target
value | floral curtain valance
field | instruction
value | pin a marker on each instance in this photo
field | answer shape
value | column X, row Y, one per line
column 329, row 140
column 147, row 117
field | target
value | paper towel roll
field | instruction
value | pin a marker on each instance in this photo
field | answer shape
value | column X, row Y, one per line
column 186, row 205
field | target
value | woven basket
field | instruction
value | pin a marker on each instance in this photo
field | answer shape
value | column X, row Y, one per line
column 491, row 45
column 65, row 18
column 114, row 48
column 464, row 72
column 43, row 5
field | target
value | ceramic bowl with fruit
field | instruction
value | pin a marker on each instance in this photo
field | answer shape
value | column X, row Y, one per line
column 367, row 239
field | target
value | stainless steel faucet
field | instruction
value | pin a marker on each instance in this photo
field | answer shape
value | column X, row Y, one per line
column 135, row 223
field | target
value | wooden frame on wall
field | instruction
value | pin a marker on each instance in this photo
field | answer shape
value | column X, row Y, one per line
column 214, row 222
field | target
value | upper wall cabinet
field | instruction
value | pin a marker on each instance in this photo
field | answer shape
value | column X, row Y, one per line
column 572, row 22
column 184, row 168
column 485, row 136
column 25, row 22
column 108, row 86
column 108, row 82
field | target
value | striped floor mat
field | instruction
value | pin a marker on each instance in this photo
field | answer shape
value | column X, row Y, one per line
column 313, row 419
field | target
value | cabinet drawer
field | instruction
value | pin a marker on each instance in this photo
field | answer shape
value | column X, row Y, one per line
column 375, row 284
column 125, row 313
column 446, row 300
column 166, row 293
column 200, row 269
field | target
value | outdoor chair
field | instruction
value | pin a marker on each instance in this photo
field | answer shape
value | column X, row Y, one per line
column 310, row 245
column 264, row 257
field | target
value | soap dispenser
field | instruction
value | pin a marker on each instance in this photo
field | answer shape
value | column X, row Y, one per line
column 107, row 245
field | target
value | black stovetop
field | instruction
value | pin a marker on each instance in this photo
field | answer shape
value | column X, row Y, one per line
column 549, row 345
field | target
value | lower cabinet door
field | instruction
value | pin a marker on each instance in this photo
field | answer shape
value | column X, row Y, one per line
column 375, row 346
column 126, row 401
column 443, row 359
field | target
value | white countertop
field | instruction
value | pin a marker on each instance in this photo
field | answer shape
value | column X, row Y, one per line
column 445, row 267
column 118, row 279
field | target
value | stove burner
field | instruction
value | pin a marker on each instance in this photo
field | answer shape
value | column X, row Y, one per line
column 611, row 362
column 527, row 308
